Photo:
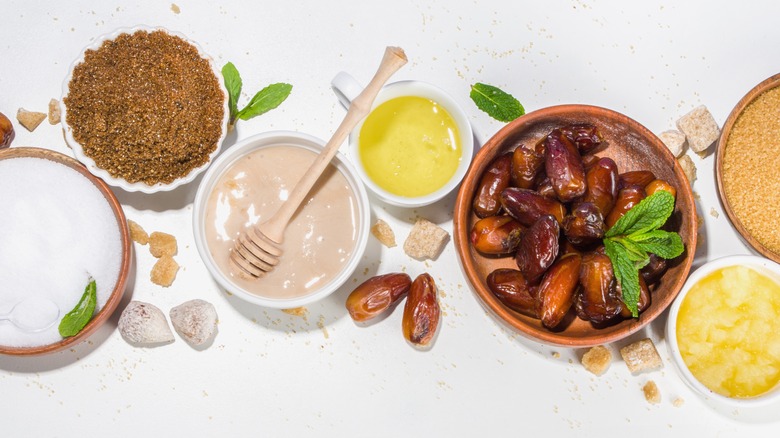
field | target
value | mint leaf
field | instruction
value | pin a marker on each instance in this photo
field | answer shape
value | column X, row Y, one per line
column 76, row 319
column 626, row 274
column 265, row 100
column 651, row 213
column 633, row 252
column 498, row 104
column 233, row 85
column 662, row 243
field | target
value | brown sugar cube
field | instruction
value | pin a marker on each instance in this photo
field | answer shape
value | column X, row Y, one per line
column 425, row 241
column 137, row 233
column 700, row 129
column 652, row 394
column 674, row 141
column 597, row 359
column 30, row 119
column 164, row 271
column 161, row 244
column 689, row 169
column 383, row 233
column 54, row 111
column 641, row 356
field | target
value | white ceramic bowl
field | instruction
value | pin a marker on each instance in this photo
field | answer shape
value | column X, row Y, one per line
column 247, row 146
column 760, row 264
column 346, row 89
column 87, row 161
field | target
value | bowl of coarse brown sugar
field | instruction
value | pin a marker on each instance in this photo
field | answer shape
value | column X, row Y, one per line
column 144, row 109
column 747, row 165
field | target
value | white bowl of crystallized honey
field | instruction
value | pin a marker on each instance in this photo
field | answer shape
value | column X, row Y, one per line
column 415, row 145
column 723, row 331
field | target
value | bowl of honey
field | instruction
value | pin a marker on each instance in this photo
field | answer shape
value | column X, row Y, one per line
column 414, row 147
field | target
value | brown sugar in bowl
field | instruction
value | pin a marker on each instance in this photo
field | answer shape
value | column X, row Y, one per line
column 746, row 167
column 633, row 147
column 124, row 267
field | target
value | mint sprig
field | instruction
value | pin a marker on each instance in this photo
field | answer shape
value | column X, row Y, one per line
column 263, row 101
column 497, row 103
column 634, row 236
column 76, row 319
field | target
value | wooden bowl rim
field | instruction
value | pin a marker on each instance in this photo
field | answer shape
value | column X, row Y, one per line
column 119, row 288
column 762, row 87
column 462, row 214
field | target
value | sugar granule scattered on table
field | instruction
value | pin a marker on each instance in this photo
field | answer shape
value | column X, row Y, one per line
column 161, row 244
column 52, row 255
column 146, row 107
column 426, row 240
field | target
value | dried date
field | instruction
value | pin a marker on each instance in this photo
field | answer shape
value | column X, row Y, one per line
column 421, row 311
column 495, row 179
column 6, row 131
column 528, row 206
column 627, row 198
column 376, row 295
column 602, row 180
column 585, row 136
column 538, row 248
column 563, row 165
column 512, row 289
column 654, row 270
column 526, row 164
column 598, row 300
column 636, row 178
column 496, row 235
column 585, row 224
column 556, row 292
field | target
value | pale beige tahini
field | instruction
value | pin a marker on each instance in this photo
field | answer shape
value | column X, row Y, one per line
column 258, row 250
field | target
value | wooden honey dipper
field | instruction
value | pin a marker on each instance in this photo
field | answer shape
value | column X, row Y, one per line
column 257, row 251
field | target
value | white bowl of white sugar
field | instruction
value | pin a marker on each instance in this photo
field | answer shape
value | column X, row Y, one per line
column 61, row 227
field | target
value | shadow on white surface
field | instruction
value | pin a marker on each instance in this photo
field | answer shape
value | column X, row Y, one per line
column 62, row 359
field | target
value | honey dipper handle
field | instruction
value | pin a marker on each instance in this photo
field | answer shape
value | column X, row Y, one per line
column 393, row 59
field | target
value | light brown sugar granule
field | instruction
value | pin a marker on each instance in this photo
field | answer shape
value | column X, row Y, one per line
column 29, row 119
column 700, row 129
column 161, row 244
column 641, row 356
column 426, row 240
column 688, row 168
column 652, row 394
column 750, row 169
column 164, row 271
column 297, row 311
column 597, row 359
column 54, row 111
column 137, row 233
column 383, row 233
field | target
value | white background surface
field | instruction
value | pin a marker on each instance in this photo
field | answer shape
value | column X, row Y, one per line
column 273, row 374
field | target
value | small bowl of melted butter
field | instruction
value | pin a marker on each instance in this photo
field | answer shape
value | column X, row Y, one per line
column 414, row 147
column 723, row 331
column 325, row 239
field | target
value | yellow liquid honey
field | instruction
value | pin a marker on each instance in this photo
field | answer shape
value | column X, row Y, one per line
column 410, row 146
column 728, row 331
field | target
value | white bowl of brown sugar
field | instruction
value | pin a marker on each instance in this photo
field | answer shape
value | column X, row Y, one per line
column 746, row 167
column 144, row 108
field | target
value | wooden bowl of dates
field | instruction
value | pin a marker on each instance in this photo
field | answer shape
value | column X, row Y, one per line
column 531, row 216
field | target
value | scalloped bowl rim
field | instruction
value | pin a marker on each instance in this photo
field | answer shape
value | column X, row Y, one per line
column 89, row 163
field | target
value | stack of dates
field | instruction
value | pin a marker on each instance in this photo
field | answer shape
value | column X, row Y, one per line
column 550, row 206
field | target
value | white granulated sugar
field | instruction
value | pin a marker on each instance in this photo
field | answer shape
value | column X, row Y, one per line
column 57, row 231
